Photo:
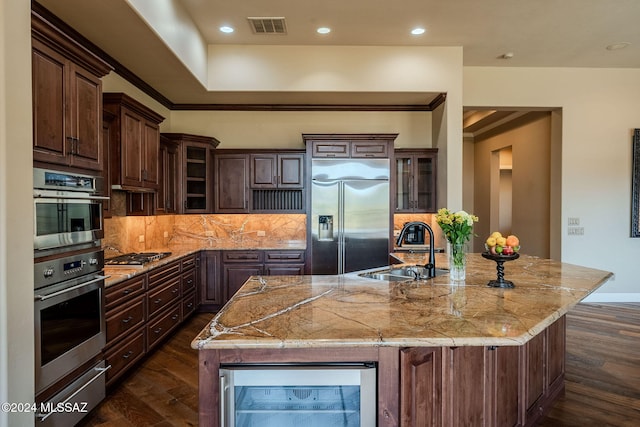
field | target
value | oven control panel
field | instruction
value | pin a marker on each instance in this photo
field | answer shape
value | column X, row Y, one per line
column 68, row 267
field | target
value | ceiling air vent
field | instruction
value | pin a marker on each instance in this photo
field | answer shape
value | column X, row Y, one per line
column 268, row 25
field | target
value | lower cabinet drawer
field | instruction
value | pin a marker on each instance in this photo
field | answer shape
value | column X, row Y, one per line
column 159, row 328
column 124, row 319
column 188, row 281
column 164, row 297
column 122, row 356
column 188, row 304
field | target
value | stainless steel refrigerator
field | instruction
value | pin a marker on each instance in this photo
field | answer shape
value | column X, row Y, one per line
column 349, row 215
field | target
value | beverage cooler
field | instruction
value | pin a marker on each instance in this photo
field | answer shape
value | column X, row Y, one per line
column 298, row 395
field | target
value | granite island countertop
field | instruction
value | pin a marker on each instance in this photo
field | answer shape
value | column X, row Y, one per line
column 352, row 311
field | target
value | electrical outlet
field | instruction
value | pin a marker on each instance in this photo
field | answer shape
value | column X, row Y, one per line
column 141, row 238
column 208, row 233
column 166, row 234
column 574, row 221
column 261, row 233
column 576, row 231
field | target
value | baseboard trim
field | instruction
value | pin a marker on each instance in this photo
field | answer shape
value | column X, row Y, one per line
column 613, row 297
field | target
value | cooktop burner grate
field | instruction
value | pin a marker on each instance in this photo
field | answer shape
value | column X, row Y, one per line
column 135, row 259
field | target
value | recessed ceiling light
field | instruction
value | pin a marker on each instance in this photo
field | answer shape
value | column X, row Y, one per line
column 417, row 31
column 226, row 29
column 323, row 30
column 616, row 46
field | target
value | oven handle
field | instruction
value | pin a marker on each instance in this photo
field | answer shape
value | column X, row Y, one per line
column 68, row 196
column 81, row 285
column 101, row 371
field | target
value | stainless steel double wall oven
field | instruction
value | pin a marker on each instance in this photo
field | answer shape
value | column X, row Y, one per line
column 68, row 295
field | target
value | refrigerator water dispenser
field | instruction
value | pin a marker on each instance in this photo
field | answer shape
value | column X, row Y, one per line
column 325, row 227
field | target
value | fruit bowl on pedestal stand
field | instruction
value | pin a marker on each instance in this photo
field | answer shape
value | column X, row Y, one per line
column 500, row 260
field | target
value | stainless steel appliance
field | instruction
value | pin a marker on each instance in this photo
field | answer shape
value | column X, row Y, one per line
column 291, row 396
column 133, row 260
column 350, row 211
column 67, row 211
column 69, row 331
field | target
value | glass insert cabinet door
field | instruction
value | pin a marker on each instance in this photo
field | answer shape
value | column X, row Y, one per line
column 415, row 173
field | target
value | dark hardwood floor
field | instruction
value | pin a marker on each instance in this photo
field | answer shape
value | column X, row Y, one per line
column 602, row 368
column 602, row 376
column 162, row 391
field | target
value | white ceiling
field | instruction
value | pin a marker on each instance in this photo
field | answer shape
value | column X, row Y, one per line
column 539, row 33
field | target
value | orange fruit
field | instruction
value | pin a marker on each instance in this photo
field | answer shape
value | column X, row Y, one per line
column 513, row 241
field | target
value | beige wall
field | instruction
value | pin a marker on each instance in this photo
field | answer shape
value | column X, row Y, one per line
column 599, row 112
column 16, row 211
column 284, row 129
column 530, row 143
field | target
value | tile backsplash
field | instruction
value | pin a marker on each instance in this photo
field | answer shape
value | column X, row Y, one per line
column 231, row 231
column 237, row 231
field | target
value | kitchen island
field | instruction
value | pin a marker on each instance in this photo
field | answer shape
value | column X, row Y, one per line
column 446, row 354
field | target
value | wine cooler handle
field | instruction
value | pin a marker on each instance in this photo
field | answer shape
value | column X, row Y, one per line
column 223, row 400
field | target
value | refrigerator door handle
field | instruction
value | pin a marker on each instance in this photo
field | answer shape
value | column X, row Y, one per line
column 340, row 227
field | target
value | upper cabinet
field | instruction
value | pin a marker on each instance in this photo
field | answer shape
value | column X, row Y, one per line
column 67, row 100
column 231, row 175
column 350, row 145
column 271, row 170
column 134, row 144
column 415, row 176
column 186, row 163
column 267, row 181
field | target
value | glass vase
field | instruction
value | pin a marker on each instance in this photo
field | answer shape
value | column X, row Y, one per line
column 457, row 262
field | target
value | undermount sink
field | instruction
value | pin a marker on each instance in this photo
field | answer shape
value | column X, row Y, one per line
column 408, row 272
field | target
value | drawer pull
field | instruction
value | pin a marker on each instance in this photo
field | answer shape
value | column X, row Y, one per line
column 127, row 354
column 126, row 291
column 190, row 281
column 174, row 317
column 158, row 301
column 127, row 320
column 175, row 290
column 190, row 305
column 157, row 331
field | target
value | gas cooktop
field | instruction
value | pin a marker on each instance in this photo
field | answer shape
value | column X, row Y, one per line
column 132, row 260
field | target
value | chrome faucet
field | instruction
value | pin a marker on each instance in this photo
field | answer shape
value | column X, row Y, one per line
column 430, row 266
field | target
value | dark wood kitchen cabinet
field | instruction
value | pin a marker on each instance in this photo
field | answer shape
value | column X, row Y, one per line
column 211, row 298
column 272, row 170
column 259, row 181
column 350, row 145
column 107, row 118
column 142, row 311
column 189, row 171
column 66, row 99
column 231, row 175
column 190, row 284
column 415, row 177
column 134, row 144
column 238, row 266
column 125, row 314
column 169, row 161
column 420, row 378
